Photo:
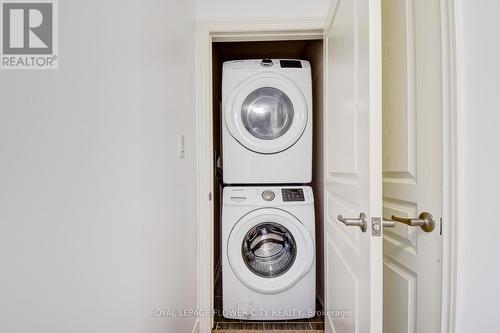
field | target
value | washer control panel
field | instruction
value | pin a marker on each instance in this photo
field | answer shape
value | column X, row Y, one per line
column 292, row 194
column 290, row 64
column 267, row 196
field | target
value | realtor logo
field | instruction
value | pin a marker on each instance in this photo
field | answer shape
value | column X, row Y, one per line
column 29, row 34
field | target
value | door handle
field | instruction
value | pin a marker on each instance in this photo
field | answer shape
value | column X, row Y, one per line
column 388, row 223
column 354, row 221
column 424, row 221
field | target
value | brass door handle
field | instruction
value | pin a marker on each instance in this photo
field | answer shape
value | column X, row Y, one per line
column 424, row 221
column 354, row 221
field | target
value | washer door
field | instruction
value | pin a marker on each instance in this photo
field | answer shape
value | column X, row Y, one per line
column 267, row 113
column 269, row 250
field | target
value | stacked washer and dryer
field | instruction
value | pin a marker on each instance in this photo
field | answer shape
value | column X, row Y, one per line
column 268, row 236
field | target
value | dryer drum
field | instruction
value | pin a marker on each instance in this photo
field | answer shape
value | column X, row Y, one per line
column 269, row 250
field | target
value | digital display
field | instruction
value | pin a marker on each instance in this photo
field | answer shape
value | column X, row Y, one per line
column 290, row 64
column 292, row 194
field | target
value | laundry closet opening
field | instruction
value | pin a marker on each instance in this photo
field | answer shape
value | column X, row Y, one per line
column 307, row 50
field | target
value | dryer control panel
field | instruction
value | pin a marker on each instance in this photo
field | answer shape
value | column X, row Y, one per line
column 267, row 65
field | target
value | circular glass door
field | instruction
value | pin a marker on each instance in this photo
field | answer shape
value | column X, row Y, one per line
column 269, row 249
column 267, row 113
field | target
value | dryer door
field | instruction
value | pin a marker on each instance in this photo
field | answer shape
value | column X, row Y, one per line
column 269, row 250
column 267, row 113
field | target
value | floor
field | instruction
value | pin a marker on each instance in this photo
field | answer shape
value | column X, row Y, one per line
column 223, row 325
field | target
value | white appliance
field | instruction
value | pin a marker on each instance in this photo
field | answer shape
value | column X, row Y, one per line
column 268, row 253
column 266, row 121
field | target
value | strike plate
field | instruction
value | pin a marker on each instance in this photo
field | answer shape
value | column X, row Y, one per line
column 376, row 226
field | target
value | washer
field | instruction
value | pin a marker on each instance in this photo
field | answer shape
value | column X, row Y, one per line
column 266, row 121
column 268, row 253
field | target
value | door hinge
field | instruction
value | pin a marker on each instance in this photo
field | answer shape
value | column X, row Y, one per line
column 441, row 226
column 210, row 196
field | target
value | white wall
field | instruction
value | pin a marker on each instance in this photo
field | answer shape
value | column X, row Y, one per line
column 481, row 247
column 213, row 10
column 97, row 213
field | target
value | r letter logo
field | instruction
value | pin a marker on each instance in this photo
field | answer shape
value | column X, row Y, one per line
column 29, row 34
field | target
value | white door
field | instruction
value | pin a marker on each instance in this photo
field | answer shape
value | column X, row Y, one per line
column 412, row 163
column 353, row 167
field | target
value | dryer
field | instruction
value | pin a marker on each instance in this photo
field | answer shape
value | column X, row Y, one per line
column 266, row 121
column 268, row 253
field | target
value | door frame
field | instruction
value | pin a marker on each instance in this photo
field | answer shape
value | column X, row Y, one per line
column 206, row 34
column 302, row 29
column 452, row 166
